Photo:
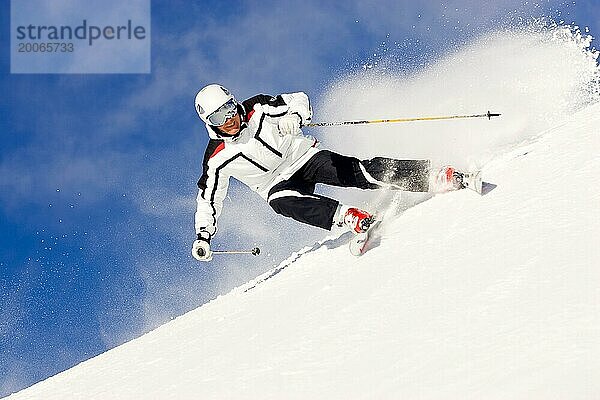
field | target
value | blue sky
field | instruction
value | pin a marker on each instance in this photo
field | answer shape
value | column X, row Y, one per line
column 98, row 171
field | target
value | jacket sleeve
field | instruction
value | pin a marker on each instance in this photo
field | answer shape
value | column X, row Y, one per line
column 278, row 106
column 298, row 103
column 212, row 190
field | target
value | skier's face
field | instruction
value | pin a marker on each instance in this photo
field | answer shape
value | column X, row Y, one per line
column 231, row 126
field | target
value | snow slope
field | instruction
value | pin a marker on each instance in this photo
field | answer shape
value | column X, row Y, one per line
column 469, row 297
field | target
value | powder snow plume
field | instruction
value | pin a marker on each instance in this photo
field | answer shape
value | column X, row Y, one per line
column 535, row 76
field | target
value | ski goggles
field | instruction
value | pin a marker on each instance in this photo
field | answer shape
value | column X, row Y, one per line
column 223, row 113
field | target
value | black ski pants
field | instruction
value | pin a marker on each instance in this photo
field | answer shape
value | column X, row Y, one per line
column 296, row 197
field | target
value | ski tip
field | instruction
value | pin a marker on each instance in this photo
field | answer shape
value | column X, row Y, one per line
column 478, row 183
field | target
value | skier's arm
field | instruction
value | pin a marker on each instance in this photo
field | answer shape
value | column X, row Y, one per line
column 212, row 189
column 298, row 104
column 211, row 193
column 282, row 105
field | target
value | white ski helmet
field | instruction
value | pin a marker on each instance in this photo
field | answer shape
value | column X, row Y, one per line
column 209, row 99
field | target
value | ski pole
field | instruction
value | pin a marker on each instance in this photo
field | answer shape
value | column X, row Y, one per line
column 487, row 115
column 255, row 251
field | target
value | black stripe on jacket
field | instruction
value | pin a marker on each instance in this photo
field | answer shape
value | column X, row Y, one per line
column 265, row 99
column 203, row 180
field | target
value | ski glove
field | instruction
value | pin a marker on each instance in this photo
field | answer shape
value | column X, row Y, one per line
column 201, row 249
column 289, row 124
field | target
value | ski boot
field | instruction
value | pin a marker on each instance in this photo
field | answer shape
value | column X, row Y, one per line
column 448, row 178
column 358, row 221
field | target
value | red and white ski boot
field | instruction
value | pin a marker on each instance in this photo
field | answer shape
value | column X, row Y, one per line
column 357, row 220
column 362, row 224
column 448, row 179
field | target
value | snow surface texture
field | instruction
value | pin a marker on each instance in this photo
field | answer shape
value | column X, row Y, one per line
column 494, row 297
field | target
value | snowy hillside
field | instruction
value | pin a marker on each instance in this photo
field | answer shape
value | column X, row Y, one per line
column 494, row 297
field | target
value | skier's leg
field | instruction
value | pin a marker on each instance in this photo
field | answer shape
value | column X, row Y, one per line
column 335, row 169
column 409, row 175
column 296, row 199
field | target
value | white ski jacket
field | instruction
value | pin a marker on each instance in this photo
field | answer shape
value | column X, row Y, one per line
column 258, row 156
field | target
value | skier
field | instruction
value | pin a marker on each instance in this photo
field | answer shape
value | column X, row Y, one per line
column 260, row 143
